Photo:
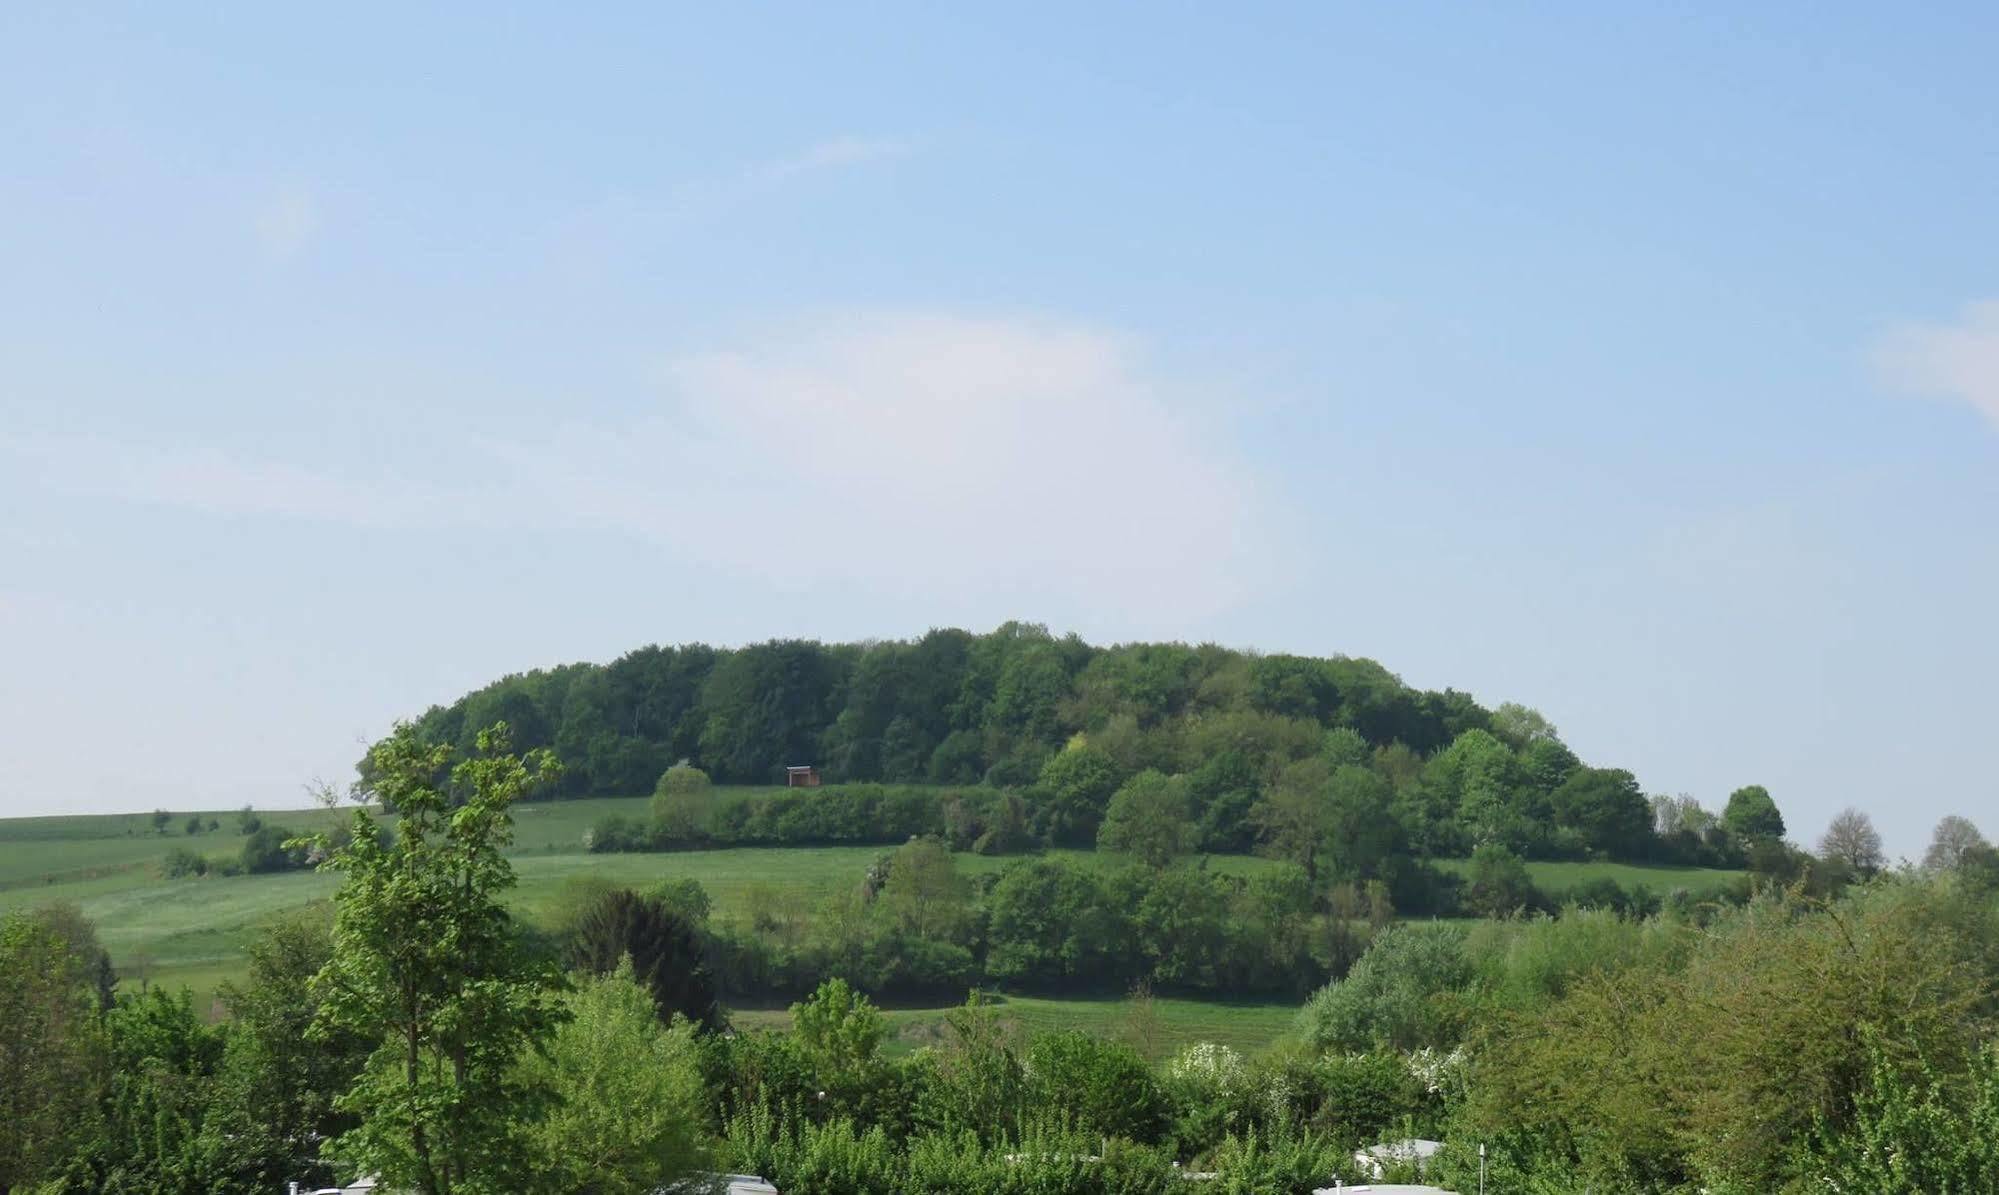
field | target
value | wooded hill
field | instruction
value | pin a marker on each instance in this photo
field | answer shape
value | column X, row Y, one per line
column 1066, row 723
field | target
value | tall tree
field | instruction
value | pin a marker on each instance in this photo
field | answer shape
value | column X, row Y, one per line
column 1752, row 816
column 661, row 949
column 427, row 965
column 52, row 1051
column 1852, row 840
column 1953, row 838
column 1150, row 818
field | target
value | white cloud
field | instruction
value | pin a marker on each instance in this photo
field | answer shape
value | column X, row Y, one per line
column 1028, row 465
column 835, row 153
column 285, row 223
column 1955, row 360
column 928, row 454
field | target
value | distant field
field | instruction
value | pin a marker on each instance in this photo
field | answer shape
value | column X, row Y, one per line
column 1555, row 878
column 195, row 931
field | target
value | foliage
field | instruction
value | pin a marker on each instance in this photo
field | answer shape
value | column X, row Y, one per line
column 630, row 1103
column 1752, row 816
column 1399, row 995
column 624, row 933
column 1149, row 818
column 1102, row 1087
column 426, row 965
column 52, row 1051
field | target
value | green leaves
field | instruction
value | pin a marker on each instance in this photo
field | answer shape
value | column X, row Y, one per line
column 428, row 967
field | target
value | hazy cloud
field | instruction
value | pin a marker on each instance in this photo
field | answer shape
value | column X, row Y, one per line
column 1957, row 360
column 908, row 455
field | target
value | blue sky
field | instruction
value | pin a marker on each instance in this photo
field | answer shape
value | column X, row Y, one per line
column 1634, row 363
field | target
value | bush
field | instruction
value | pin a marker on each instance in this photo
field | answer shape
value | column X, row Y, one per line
column 1103, row 1087
column 182, row 862
column 1397, row 995
column 265, row 852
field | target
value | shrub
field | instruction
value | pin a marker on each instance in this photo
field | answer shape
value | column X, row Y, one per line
column 265, row 852
column 181, row 862
column 1104, row 1087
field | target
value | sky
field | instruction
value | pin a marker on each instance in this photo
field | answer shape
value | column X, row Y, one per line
column 1638, row 363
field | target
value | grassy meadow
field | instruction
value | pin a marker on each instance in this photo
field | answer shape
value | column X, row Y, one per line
column 194, row 931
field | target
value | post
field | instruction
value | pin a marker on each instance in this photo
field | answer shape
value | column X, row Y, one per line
column 1481, row 1168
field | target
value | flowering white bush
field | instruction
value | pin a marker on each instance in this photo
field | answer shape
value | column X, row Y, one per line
column 1206, row 1064
column 1437, row 1071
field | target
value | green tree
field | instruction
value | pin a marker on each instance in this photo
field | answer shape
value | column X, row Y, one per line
column 1149, row 819
column 52, row 1052
column 161, row 820
column 1293, row 816
column 680, row 801
column 277, row 1082
column 1752, row 816
column 427, row 965
column 631, row 1110
column 924, row 894
column 1103, row 1087
column 1606, row 809
column 660, row 948
column 1077, row 783
column 1498, row 883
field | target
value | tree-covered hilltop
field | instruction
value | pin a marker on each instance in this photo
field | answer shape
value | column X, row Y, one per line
column 1268, row 749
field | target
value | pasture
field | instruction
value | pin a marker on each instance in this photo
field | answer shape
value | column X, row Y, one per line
column 194, row 931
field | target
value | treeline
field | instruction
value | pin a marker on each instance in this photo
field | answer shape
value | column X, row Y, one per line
column 913, row 929
column 1261, row 749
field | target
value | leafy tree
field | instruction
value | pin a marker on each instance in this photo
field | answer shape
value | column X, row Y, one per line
column 1606, row 809
column 1077, row 783
column 426, row 965
column 1049, row 924
column 662, row 950
column 1292, row 817
column 277, row 1081
column 924, row 894
column 1752, row 816
column 52, row 1051
column 271, row 849
column 1499, row 883
column 247, row 821
column 1149, row 818
column 161, row 820
column 1395, row 996
column 1361, row 838
column 1926, row 1131
column 1520, row 726
column 680, row 800
column 1953, row 839
column 1103, row 1087
column 1852, row 841
column 631, row 1111
column 194, row 824
column 156, row 1135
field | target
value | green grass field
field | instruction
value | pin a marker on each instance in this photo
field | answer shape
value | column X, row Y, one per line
column 195, row 931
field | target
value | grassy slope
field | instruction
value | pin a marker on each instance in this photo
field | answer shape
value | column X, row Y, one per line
column 194, row 931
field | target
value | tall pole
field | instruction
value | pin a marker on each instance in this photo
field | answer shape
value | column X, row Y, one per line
column 1481, row 1168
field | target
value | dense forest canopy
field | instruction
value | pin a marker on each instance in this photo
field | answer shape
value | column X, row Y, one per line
column 1267, row 749
column 950, row 707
